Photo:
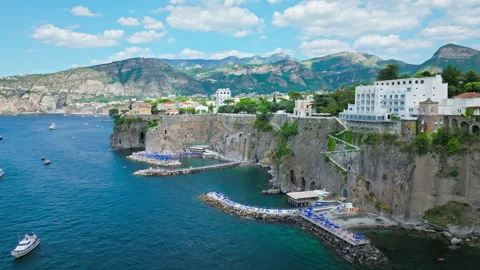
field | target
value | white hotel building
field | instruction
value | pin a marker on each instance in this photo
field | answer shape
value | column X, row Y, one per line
column 221, row 95
column 399, row 97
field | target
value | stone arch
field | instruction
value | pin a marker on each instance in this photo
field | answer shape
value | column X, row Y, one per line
column 464, row 126
column 476, row 130
column 292, row 177
column 345, row 193
column 304, row 184
column 142, row 136
column 446, row 122
column 454, row 125
column 349, row 167
column 312, row 185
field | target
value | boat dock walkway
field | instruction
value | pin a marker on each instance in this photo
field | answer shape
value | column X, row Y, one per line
column 181, row 171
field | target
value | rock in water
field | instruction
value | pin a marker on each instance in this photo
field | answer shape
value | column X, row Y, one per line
column 455, row 241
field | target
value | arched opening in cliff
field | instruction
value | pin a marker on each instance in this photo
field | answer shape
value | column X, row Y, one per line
column 142, row 137
column 244, row 148
column 165, row 132
column 292, row 177
column 119, row 141
column 446, row 122
column 464, row 126
column 476, row 130
column 304, row 184
column 454, row 125
column 312, row 185
column 368, row 185
column 345, row 193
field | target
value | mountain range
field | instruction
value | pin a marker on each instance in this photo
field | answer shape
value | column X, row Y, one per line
column 153, row 77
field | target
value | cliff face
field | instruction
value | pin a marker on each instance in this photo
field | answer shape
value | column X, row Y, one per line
column 377, row 177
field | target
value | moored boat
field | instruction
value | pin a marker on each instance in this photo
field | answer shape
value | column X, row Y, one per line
column 52, row 127
column 1, row 172
column 27, row 244
column 46, row 162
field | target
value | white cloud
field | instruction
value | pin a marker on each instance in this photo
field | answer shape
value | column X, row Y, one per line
column 83, row 11
column 128, row 21
column 50, row 34
column 177, row 2
column 188, row 53
column 280, row 50
column 129, row 52
column 145, row 36
column 171, row 40
column 151, row 23
column 167, row 55
column 263, row 37
column 224, row 18
column 348, row 18
column 321, row 47
column 191, row 54
column 273, row 1
column 450, row 32
column 391, row 43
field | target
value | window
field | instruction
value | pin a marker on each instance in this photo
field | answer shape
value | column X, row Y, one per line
column 398, row 83
column 409, row 82
column 416, row 81
column 390, row 96
column 421, row 81
column 432, row 110
column 402, row 103
column 402, row 96
column 382, row 83
column 396, row 96
column 404, row 82
column 387, row 83
column 409, row 89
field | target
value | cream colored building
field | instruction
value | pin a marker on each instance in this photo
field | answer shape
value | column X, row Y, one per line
column 303, row 108
column 141, row 108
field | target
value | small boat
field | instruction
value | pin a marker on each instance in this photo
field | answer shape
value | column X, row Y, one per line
column 1, row 172
column 46, row 162
column 43, row 158
column 27, row 244
column 52, row 127
column 1, row 138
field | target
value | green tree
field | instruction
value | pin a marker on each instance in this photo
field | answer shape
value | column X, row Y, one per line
column 470, row 76
column 389, row 72
column 451, row 75
column 441, row 137
column 423, row 74
column 421, row 144
column 113, row 112
column 454, row 146
column 211, row 107
column 294, row 95
column 228, row 102
column 472, row 87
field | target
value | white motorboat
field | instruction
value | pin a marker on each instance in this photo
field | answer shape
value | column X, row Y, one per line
column 1, row 172
column 46, row 162
column 52, row 127
column 27, row 244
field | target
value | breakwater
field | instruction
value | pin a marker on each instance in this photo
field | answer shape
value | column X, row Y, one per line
column 352, row 247
column 156, row 162
column 163, row 172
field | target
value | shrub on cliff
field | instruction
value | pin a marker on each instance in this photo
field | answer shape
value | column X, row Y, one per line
column 451, row 213
column 262, row 122
column 421, row 144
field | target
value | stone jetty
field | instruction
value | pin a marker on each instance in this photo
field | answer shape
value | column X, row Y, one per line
column 163, row 172
column 354, row 250
column 155, row 162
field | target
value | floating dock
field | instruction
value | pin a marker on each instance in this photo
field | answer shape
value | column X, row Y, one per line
column 163, row 172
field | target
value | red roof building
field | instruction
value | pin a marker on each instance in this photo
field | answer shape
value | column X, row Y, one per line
column 468, row 95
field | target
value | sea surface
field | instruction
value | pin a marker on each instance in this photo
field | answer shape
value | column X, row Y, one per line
column 92, row 213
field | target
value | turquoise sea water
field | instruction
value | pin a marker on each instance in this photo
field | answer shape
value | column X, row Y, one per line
column 92, row 213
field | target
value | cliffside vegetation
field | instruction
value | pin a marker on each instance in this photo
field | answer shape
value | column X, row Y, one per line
column 283, row 150
column 451, row 213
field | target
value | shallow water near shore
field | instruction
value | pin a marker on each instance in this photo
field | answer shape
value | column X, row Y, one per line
column 92, row 213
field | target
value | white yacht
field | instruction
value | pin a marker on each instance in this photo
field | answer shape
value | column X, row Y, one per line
column 27, row 244
column 1, row 172
column 52, row 127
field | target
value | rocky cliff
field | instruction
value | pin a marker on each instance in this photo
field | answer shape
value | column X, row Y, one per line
column 379, row 177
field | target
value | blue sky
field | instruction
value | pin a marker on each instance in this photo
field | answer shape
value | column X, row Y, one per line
column 49, row 36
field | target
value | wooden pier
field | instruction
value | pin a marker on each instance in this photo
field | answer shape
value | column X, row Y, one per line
column 164, row 172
